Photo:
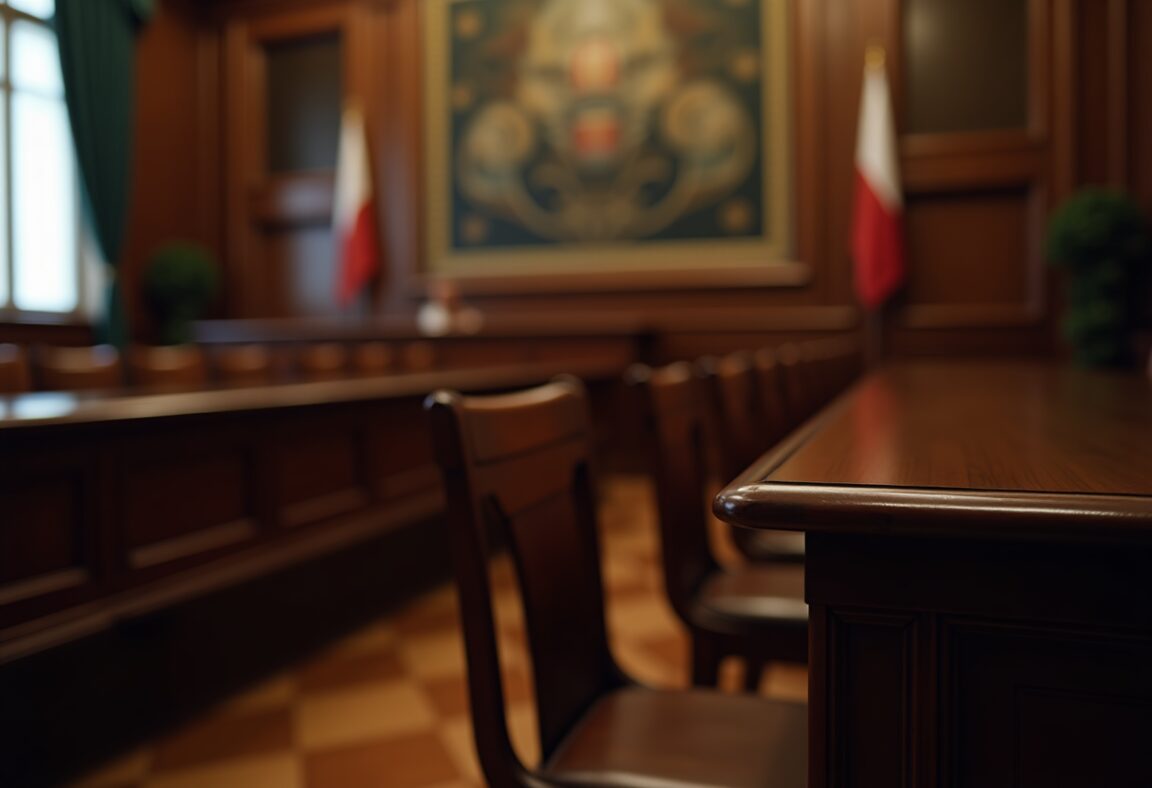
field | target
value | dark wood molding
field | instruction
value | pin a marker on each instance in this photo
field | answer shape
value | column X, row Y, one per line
column 972, row 171
column 43, row 584
column 73, row 623
column 936, row 316
column 203, row 541
column 314, row 510
column 1119, row 122
column 969, row 143
column 771, row 274
column 1065, row 102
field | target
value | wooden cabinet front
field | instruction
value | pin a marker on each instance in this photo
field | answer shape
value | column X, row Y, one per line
column 979, row 664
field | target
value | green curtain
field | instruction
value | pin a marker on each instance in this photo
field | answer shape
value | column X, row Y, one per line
column 97, row 54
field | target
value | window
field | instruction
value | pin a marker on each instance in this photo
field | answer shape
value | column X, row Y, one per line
column 40, row 245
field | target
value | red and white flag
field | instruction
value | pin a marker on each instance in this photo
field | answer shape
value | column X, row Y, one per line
column 877, row 232
column 354, row 210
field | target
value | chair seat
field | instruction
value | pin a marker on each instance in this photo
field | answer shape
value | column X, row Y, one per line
column 756, row 592
column 643, row 738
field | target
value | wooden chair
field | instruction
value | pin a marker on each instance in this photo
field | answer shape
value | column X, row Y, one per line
column 418, row 356
column 78, row 368
column 843, row 361
column 15, row 376
column 737, row 417
column 243, row 365
column 322, row 361
column 798, row 395
column 773, row 403
column 516, row 468
column 755, row 611
column 826, row 367
column 373, row 358
column 734, row 412
column 167, row 366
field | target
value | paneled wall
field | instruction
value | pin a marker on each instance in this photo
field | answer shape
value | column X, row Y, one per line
column 1004, row 106
column 177, row 143
column 976, row 147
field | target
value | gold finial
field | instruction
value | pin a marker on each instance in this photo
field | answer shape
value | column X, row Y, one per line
column 874, row 56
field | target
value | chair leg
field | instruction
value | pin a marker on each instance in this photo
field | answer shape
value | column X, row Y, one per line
column 753, row 672
column 705, row 662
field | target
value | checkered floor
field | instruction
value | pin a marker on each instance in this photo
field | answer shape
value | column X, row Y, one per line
column 386, row 707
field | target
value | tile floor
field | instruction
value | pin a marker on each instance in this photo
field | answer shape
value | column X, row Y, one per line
column 386, row 707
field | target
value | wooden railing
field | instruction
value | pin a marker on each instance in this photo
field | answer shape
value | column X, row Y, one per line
column 117, row 504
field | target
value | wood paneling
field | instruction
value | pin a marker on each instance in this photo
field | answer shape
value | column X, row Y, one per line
column 1140, row 108
column 966, row 69
column 176, row 170
column 279, row 236
column 1069, row 715
column 40, row 532
column 155, row 531
column 51, row 507
column 871, row 715
column 317, row 470
column 1101, row 69
column 121, row 504
column 1087, row 120
column 1036, row 675
column 394, row 474
column 952, row 280
column 977, row 191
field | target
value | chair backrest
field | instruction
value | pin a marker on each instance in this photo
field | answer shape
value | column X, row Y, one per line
column 843, row 361
column 797, row 391
column 828, row 365
column 731, row 401
column 172, row 366
column 418, row 356
column 673, row 415
column 15, row 376
column 322, row 361
column 775, row 416
column 373, row 358
column 516, row 469
column 243, row 365
column 78, row 368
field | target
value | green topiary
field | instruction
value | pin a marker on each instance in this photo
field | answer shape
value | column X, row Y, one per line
column 1101, row 238
column 180, row 282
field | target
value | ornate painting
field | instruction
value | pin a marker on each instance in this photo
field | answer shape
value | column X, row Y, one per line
column 587, row 136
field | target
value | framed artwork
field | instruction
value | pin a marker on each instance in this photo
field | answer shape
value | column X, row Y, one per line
column 570, row 137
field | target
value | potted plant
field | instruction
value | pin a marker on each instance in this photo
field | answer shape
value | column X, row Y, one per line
column 1101, row 239
column 180, row 281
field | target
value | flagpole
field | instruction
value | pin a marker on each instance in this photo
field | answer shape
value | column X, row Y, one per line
column 875, row 58
column 873, row 338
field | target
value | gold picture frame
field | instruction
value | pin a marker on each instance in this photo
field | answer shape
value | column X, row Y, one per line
column 514, row 198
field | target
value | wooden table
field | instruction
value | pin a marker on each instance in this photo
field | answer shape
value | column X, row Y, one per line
column 979, row 571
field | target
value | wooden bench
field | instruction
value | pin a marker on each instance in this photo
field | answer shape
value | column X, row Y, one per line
column 119, row 504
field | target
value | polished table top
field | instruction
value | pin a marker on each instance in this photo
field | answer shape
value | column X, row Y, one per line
column 998, row 449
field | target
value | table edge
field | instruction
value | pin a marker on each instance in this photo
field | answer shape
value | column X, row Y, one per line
column 749, row 502
column 937, row 512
